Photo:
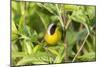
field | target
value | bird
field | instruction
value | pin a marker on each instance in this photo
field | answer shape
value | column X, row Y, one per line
column 53, row 34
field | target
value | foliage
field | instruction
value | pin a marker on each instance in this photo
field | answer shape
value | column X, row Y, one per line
column 30, row 22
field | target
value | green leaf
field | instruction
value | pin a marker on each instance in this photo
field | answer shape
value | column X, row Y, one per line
column 49, row 7
column 18, row 54
column 53, row 51
column 89, row 46
column 58, row 59
column 36, row 48
column 71, row 7
column 78, row 16
column 27, row 60
column 90, row 11
column 87, row 57
column 14, row 29
column 27, row 46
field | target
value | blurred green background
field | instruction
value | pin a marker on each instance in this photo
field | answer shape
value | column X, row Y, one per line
column 30, row 21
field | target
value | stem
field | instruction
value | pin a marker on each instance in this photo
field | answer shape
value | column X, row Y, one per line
column 59, row 16
column 62, row 21
column 65, row 47
column 65, row 40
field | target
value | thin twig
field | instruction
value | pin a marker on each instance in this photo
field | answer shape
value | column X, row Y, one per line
column 68, row 22
column 82, row 43
column 80, row 47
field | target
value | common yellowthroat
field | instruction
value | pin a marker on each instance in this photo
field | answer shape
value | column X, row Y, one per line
column 53, row 34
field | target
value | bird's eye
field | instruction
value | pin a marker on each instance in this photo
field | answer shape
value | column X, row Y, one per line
column 52, row 29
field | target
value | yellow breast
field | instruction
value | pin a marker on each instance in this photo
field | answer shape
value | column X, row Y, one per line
column 53, row 39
